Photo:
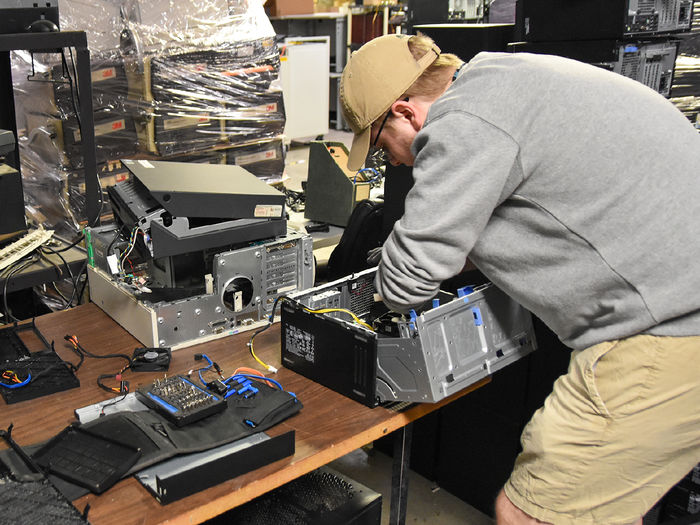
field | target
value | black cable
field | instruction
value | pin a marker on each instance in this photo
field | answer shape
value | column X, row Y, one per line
column 73, row 340
column 83, row 269
column 80, row 355
column 17, row 266
column 113, row 402
column 270, row 320
column 75, row 73
column 74, row 282
column 82, row 352
column 70, row 245
column 75, row 94
column 73, row 91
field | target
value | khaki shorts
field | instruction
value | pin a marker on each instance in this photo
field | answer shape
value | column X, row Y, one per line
column 618, row 430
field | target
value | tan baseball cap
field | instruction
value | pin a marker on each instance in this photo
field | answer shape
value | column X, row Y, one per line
column 374, row 78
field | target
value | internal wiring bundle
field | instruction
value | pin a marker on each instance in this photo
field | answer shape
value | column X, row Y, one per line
column 271, row 319
column 129, row 277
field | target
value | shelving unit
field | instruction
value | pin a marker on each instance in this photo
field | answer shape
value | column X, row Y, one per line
column 339, row 28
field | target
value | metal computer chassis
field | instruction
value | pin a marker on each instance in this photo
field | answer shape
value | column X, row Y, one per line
column 262, row 270
column 420, row 357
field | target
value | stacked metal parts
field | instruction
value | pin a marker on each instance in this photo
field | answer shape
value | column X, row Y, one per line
column 192, row 81
column 200, row 251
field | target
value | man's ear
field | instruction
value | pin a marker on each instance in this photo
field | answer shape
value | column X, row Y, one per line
column 407, row 109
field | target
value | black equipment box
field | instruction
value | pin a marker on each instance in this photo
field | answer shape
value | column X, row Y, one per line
column 651, row 62
column 264, row 158
column 546, row 20
column 12, row 221
column 174, row 134
column 467, row 40
column 115, row 137
column 318, row 498
column 332, row 190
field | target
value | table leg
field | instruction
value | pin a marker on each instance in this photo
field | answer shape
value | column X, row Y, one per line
column 399, row 475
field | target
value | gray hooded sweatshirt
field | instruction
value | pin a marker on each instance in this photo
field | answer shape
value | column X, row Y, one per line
column 573, row 189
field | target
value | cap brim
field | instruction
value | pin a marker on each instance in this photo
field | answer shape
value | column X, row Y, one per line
column 359, row 149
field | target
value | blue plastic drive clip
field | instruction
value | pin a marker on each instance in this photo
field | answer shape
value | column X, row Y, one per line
column 465, row 290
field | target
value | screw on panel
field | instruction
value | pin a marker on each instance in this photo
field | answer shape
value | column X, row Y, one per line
column 202, row 332
column 160, row 320
column 197, row 311
column 161, row 342
column 222, row 262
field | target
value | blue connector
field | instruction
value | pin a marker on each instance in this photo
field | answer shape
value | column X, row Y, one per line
column 478, row 321
column 465, row 290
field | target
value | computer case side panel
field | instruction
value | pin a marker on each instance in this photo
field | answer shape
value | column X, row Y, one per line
column 330, row 352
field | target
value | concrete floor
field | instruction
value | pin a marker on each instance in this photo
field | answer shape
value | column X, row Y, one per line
column 426, row 502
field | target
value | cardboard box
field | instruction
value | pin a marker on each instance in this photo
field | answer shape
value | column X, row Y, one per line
column 289, row 7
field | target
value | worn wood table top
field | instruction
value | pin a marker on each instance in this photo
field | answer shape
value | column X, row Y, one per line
column 328, row 427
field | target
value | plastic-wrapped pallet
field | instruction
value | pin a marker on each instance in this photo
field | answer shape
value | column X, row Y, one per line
column 193, row 81
column 189, row 81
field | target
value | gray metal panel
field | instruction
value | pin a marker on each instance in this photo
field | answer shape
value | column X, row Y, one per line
column 271, row 269
column 123, row 307
column 180, row 237
column 454, row 345
column 208, row 190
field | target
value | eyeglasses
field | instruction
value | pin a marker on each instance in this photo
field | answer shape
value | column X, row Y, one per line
column 377, row 155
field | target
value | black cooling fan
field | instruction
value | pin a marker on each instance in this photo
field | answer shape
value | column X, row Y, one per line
column 151, row 359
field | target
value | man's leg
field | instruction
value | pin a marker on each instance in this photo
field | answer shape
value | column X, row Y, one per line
column 619, row 429
column 509, row 514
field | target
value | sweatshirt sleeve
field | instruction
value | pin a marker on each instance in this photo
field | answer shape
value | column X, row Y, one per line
column 464, row 167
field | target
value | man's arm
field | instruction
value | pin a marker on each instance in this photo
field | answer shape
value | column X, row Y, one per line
column 464, row 168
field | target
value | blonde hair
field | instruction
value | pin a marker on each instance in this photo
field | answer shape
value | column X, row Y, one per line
column 436, row 78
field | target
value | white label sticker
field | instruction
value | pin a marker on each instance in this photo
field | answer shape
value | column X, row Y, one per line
column 103, row 129
column 113, row 264
column 268, row 210
column 103, row 74
column 251, row 158
column 183, row 122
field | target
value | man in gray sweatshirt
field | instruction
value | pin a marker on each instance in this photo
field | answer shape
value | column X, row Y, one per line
column 577, row 192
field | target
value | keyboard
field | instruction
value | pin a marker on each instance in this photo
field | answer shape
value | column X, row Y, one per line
column 23, row 246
